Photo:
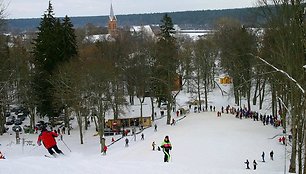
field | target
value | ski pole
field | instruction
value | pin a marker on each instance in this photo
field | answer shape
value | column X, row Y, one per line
column 66, row 145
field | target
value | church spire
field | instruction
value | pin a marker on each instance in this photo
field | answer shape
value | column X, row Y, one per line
column 112, row 23
column 112, row 16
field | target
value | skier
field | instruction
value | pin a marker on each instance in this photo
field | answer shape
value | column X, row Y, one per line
column 1, row 155
column 48, row 139
column 271, row 155
column 142, row 136
column 104, row 150
column 263, row 156
column 254, row 164
column 166, row 146
column 126, row 142
column 153, row 145
column 247, row 164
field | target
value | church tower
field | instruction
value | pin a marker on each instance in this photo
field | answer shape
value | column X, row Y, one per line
column 112, row 23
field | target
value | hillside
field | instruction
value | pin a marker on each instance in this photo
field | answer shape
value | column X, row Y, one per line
column 202, row 143
column 187, row 20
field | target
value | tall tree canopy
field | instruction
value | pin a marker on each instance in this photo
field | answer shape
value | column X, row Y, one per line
column 55, row 44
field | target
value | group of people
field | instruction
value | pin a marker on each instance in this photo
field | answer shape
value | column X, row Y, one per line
column 255, row 163
column 199, row 109
column 264, row 118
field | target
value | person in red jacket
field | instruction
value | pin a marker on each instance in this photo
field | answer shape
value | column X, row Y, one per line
column 1, row 155
column 104, row 150
column 48, row 139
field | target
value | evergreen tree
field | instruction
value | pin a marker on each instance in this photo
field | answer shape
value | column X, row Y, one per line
column 69, row 45
column 166, row 64
column 55, row 43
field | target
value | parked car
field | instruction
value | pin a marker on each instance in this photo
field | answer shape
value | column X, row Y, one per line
column 12, row 117
column 7, row 114
column 163, row 106
column 16, row 128
column 9, row 122
column 41, row 124
column 18, row 121
column 22, row 116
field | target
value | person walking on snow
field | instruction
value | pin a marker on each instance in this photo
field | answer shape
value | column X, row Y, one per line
column 153, row 145
column 254, row 164
column 166, row 146
column 48, row 139
column 271, row 155
column 1, row 155
column 173, row 122
column 247, row 164
column 126, row 142
column 263, row 156
column 104, row 150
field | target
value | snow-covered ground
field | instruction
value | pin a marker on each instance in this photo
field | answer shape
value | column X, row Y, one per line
column 202, row 144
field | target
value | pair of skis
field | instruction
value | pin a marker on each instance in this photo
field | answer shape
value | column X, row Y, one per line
column 53, row 156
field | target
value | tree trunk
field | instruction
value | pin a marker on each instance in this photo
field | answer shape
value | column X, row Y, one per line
column 141, row 100
column 67, row 120
column 255, row 91
column 32, row 117
column 101, row 125
column 300, row 145
column 304, row 142
column 262, row 94
column 249, row 97
column 292, row 167
column 152, row 108
column 206, row 94
column 86, row 122
column 79, row 120
column 2, row 120
column 199, row 90
column 169, row 113
column 274, row 101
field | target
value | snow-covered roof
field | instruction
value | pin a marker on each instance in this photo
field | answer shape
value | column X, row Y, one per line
column 145, row 28
column 99, row 38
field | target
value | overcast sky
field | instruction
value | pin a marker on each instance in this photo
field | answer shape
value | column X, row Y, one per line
column 35, row 8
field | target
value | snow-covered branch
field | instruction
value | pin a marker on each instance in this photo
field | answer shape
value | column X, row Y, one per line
column 283, row 72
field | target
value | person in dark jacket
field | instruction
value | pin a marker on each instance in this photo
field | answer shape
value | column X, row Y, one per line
column 48, row 139
column 126, row 142
column 166, row 146
column 271, row 154
column 247, row 164
column 254, row 164
column 263, row 156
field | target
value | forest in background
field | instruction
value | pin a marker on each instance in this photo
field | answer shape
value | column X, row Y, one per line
column 203, row 19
